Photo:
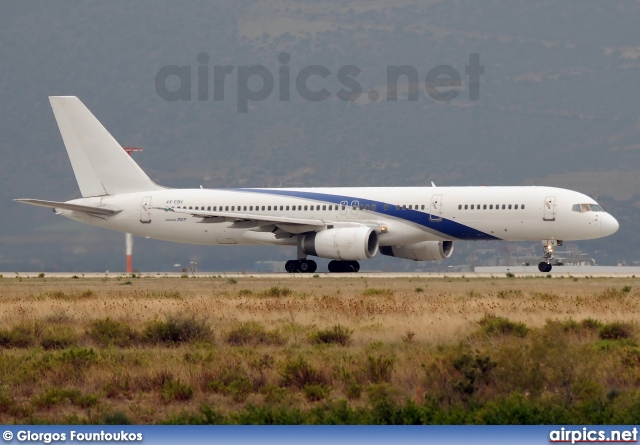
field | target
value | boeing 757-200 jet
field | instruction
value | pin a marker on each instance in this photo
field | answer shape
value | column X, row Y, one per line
column 344, row 224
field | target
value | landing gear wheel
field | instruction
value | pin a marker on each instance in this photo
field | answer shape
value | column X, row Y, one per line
column 547, row 255
column 343, row 266
column 544, row 267
column 303, row 266
column 312, row 266
column 291, row 266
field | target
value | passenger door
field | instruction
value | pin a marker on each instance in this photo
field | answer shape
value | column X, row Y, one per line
column 145, row 210
column 549, row 209
column 435, row 209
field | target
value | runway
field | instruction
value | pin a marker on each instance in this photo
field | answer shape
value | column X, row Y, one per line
column 480, row 272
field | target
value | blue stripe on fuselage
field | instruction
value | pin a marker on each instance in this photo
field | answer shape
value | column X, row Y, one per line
column 447, row 227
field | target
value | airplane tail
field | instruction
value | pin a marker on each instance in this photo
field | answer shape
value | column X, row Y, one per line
column 99, row 163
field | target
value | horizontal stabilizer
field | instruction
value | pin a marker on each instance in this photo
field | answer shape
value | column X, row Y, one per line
column 67, row 206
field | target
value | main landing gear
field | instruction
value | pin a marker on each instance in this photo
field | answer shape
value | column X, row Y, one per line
column 302, row 266
column 547, row 255
column 310, row 266
column 343, row 266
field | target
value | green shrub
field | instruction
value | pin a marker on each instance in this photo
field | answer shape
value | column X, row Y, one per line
column 419, row 289
column 510, row 293
column 54, row 396
column 378, row 369
column 116, row 418
column 337, row 334
column 58, row 338
column 510, row 275
column 493, row 325
column 316, row 392
column 273, row 393
column 299, row 373
column 245, row 292
column 615, row 331
column 176, row 390
column 354, row 390
column 106, row 332
column 177, row 329
column 591, row 324
column 20, row 336
column 232, row 281
column 253, row 333
column 79, row 357
column 275, row 291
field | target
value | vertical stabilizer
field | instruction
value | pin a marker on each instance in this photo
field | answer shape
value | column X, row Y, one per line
column 100, row 164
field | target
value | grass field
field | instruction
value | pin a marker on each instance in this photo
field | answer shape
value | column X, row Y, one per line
column 319, row 350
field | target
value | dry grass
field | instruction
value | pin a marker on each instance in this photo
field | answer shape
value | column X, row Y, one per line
column 149, row 382
column 379, row 309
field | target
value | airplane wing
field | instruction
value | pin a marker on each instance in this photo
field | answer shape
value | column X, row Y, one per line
column 66, row 206
column 247, row 217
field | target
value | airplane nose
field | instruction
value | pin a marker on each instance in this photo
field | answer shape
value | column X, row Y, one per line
column 608, row 225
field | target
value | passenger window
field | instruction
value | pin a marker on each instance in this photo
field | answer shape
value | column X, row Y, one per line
column 522, row 206
column 373, row 206
column 331, row 207
column 386, row 207
column 516, row 206
column 410, row 207
column 263, row 208
column 471, row 206
column 299, row 207
column 422, row 206
column 484, row 207
column 503, row 207
column 490, row 206
column 404, row 207
column 478, row 207
column 361, row 207
column 287, row 207
column 459, row 206
column 305, row 207
column 509, row 206
column 466, row 206
column 209, row 209
column 190, row 208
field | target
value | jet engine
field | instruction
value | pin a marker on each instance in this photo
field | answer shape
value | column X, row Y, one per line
column 422, row 251
column 345, row 243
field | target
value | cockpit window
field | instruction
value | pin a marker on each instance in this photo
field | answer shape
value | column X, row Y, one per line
column 582, row 208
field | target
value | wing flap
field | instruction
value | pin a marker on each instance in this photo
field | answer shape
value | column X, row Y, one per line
column 68, row 206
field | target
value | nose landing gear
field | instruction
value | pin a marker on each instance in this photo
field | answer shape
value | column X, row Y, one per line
column 547, row 255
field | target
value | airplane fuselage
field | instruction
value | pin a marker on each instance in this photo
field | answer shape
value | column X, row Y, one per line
column 407, row 214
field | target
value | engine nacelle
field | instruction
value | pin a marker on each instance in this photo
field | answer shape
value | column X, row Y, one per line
column 345, row 243
column 422, row 251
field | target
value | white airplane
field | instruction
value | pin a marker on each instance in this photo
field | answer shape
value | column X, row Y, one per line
column 342, row 224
